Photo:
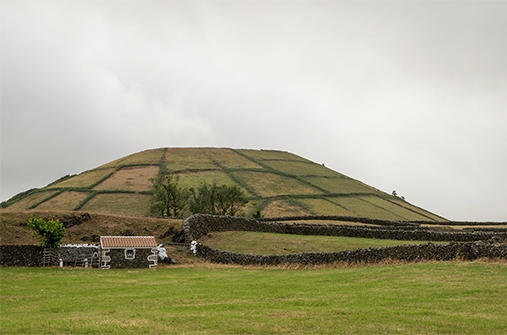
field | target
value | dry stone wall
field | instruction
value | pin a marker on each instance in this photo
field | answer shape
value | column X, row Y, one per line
column 200, row 225
column 31, row 255
column 467, row 251
column 20, row 255
column 466, row 245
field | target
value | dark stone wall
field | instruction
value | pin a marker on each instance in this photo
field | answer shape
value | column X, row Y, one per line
column 199, row 225
column 465, row 245
column 20, row 255
column 31, row 255
column 72, row 255
column 466, row 251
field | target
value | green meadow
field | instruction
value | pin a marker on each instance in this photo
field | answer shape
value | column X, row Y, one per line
column 421, row 298
column 259, row 243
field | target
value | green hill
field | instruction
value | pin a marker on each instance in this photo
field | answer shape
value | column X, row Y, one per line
column 278, row 183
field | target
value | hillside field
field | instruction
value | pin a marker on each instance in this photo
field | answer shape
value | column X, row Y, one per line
column 278, row 183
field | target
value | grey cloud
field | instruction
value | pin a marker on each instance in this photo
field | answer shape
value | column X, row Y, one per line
column 401, row 95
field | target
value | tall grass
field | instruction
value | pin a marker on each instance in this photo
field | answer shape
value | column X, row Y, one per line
column 425, row 298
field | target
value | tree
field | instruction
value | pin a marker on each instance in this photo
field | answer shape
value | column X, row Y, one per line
column 203, row 199
column 257, row 214
column 217, row 200
column 230, row 199
column 51, row 231
column 168, row 197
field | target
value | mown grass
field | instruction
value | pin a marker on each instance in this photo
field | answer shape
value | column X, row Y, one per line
column 425, row 298
column 275, row 244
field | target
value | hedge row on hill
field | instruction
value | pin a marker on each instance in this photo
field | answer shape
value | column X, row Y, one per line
column 199, row 225
column 382, row 222
column 354, row 219
column 410, row 253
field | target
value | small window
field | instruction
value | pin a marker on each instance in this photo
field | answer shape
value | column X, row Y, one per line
column 130, row 253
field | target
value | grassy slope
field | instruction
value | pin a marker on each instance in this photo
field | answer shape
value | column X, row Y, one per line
column 14, row 229
column 426, row 298
column 279, row 183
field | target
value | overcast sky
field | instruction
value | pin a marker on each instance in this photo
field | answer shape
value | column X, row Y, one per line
column 408, row 96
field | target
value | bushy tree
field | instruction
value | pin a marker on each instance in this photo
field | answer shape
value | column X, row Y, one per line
column 51, row 231
column 217, row 200
column 168, row 197
column 203, row 199
column 230, row 199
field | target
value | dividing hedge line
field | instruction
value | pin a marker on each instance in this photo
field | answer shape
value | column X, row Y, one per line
column 382, row 222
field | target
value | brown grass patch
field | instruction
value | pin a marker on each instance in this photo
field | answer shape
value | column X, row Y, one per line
column 270, row 184
column 145, row 157
column 340, row 185
column 324, row 207
column 230, row 159
column 303, row 168
column 366, row 209
column 279, row 208
column 31, row 200
column 402, row 211
column 272, row 155
column 85, row 179
column 121, row 204
column 130, row 179
column 63, row 201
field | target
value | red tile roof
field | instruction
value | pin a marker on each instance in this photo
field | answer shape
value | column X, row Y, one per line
column 128, row 242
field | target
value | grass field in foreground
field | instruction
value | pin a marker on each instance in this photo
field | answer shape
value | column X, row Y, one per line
column 259, row 243
column 424, row 298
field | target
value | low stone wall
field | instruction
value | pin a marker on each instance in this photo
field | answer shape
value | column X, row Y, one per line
column 20, row 255
column 410, row 253
column 465, row 245
column 199, row 225
column 72, row 255
column 31, row 255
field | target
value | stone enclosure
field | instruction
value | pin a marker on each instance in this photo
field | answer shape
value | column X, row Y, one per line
column 465, row 245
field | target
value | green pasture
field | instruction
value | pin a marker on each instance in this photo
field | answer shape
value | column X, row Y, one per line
column 424, row 298
column 259, row 243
